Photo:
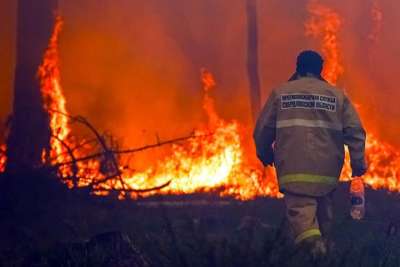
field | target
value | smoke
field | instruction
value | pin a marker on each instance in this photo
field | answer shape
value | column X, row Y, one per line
column 133, row 67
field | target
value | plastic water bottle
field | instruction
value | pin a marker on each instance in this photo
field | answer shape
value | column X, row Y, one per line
column 357, row 198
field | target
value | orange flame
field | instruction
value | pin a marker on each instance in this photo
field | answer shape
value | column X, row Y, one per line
column 3, row 157
column 55, row 104
column 383, row 159
column 216, row 160
column 212, row 162
column 377, row 21
column 384, row 165
column 325, row 23
column 54, row 100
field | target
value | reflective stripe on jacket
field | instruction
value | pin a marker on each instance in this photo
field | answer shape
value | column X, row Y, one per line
column 309, row 122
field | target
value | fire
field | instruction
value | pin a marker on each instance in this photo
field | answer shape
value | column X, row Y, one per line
column 54, row 100
column 384, row 165
column 377, row 21
column 217, row 159
column 325, row 23
column 212, row 162
column 3, row 157
column 55, row 104
column 383, row 159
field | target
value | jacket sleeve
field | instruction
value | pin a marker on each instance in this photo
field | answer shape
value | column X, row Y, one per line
column 354, row 137
column 264, row 133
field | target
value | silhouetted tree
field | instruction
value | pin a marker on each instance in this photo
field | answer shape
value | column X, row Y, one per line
column 252, row 57
column 29, row 131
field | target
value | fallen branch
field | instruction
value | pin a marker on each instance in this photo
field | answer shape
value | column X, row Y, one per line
column 75, row 148
column 98, row 182
column 158, row 144
column 133, row 190
column 127, row 151
column 71, row 154
column 132, row 150
column 108, row 154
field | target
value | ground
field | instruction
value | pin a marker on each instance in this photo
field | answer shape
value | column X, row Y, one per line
column 46, row 225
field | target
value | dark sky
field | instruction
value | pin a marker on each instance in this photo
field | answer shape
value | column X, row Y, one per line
column 134, row 65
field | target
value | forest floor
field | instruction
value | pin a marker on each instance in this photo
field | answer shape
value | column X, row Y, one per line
column 42, row 223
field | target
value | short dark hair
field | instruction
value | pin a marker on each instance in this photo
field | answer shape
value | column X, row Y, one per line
column 309, row 61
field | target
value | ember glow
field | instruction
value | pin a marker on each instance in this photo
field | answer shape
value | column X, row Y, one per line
column 3, row 157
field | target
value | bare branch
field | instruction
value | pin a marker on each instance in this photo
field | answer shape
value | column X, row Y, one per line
column 133, row 150
column 110, row 154
column 133, row 190
column 71, row 154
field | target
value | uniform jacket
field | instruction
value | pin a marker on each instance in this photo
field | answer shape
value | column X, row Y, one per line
column 305, row 124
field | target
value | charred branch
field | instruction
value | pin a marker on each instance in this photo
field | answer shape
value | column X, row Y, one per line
column 130, row 151
column 110, row 156
column 133, row 190
column 72, row 149
column 74, row 165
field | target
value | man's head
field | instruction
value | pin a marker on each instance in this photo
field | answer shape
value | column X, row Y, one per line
column 309, row 62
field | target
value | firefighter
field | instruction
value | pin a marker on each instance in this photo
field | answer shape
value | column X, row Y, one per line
column 302, row 130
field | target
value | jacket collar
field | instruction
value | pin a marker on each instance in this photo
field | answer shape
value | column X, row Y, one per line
column 297, row 76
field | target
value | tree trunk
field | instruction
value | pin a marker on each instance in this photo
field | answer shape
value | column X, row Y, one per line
column 29, row 132
column 252, row 58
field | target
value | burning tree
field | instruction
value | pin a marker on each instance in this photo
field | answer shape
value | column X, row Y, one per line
column 30, row 133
